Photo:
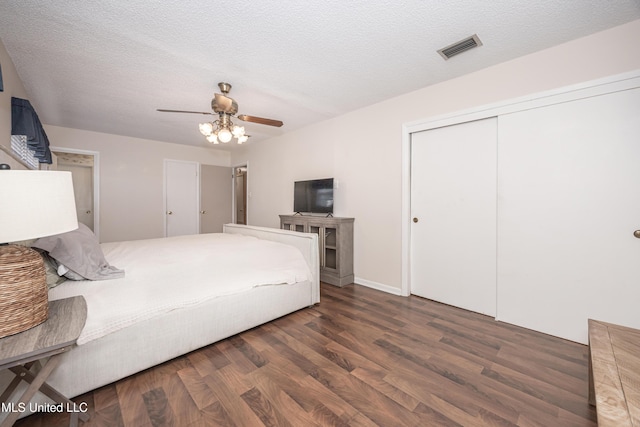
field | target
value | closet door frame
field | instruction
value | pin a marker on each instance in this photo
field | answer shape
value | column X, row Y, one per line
column 606, row 85
column 96, row 182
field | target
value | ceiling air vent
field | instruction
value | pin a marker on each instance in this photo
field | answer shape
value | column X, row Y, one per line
column 459, row 47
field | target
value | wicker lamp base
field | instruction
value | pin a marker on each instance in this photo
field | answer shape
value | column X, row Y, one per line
column 24, row 301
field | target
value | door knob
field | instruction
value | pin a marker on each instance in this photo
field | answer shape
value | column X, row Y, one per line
column 415, row 219
column 203, row 212
column 88, row 212
column 169, row 213
column 636, row 234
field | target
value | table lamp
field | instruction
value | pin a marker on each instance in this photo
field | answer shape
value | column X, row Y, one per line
column 32, row 204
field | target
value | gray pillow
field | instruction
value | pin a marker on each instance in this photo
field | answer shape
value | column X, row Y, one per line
column 51, row 270
column 80, row 252
column 50, row 267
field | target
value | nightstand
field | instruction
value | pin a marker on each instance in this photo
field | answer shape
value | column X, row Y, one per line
column 20, row 352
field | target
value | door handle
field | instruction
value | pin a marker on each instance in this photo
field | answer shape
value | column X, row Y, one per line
column 169, row 213
column 88, row 212
column 415, row 219
column 203, row 212
column 636, row 234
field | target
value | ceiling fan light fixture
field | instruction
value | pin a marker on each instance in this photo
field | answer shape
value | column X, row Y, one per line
column 223, row 130
column 206, row 129
column 238, row 131
column 224, row 135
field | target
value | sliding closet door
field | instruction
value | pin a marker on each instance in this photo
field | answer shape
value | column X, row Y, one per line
column 569, row 202
column 453, row 204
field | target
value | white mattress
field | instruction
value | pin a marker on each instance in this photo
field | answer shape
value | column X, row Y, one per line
column 162, row 275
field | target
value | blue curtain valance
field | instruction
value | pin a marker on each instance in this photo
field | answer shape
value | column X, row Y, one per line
column 25, row 121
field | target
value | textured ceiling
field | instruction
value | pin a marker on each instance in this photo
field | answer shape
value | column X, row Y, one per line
column 107, row 66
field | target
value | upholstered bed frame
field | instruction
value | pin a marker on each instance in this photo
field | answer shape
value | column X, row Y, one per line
column 146, row 344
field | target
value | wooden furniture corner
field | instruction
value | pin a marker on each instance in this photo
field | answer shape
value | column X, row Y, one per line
column 614, row 374
column 21, row 354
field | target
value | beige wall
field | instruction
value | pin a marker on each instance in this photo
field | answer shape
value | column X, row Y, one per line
column 362, row 149
column 12, row 87
column 131, row 178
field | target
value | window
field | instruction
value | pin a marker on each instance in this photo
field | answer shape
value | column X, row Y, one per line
column 25, row 122
column 23, row 151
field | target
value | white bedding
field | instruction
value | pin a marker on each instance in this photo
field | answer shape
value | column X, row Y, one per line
column 167, row 274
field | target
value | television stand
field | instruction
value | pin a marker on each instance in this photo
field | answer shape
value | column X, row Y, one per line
column 335, row 241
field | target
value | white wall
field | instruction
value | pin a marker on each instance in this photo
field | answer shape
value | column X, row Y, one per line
column 362, row 149
column 131, row 178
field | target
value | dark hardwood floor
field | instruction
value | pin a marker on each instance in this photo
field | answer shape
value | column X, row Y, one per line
column 359, row 358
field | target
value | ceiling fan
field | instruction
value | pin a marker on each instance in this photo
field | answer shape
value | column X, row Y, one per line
column 223, row 129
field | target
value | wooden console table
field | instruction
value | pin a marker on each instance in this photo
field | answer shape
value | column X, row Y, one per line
column 21, row 351
column 335, row 244
column 614, row 374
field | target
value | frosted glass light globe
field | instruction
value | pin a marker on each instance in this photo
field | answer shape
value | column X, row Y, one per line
column 205, row 128
column 238, row 131
column 224, row 135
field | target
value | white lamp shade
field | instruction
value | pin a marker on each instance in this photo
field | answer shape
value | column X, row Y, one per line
column 35, row 204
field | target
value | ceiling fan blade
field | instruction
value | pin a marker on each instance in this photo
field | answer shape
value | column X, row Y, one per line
column 182, row 111
column 260, row 120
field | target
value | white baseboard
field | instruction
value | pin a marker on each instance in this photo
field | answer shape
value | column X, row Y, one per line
column 378, row 286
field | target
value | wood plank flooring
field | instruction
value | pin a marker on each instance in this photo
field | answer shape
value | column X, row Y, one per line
column 359, row 358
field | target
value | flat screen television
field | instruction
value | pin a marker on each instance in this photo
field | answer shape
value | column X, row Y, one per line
column 313, row 196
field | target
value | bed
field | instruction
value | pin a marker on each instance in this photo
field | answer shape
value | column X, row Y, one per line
column 181, row 320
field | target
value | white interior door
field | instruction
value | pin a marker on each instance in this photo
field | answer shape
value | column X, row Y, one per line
column 215, row 198
column 182, row 191
column 569, row 205
column 453, row 205
column 83, row 166
column 82, row 177
column 83, row 189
